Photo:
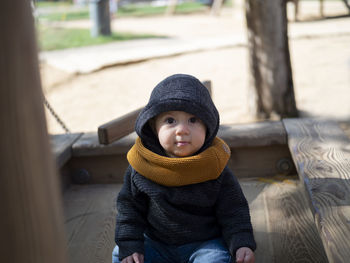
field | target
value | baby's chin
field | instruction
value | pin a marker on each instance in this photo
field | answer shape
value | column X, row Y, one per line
column 180, row 154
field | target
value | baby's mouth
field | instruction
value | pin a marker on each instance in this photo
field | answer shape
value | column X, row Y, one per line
column 182, row 143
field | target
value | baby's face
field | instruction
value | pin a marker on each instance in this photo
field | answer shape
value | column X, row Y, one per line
column 180, row 134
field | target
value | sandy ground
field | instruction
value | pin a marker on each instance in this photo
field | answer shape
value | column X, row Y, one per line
column 321, row 72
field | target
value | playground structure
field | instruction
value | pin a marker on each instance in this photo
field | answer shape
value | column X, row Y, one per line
column 299, row 222
column 295, row 174
column 321, row 7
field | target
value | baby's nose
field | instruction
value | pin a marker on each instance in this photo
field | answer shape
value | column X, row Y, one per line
column 182, row 128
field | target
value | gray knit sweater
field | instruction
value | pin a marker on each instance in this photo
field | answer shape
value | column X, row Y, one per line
column 180, row 215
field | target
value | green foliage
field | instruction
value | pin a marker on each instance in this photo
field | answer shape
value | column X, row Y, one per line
column 65, row 16
column 190, row 7
column 147, row 10
column 51, row 4
column 128, row 10
column 60, row 38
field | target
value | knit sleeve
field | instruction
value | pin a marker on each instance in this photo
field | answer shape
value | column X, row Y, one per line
column 232, row 212
column 131, row 218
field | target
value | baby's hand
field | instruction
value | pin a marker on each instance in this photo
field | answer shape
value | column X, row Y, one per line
column 245, row 255
column 134, row 258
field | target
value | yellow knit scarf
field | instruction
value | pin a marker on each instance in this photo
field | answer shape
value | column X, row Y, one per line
column 203, row 167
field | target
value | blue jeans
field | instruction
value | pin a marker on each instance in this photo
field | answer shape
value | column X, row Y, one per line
column 211, row 251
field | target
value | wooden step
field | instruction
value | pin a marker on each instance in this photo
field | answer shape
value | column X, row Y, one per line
column 282, row 221
column 90, row 212
column 321, row 153
column 283, row 225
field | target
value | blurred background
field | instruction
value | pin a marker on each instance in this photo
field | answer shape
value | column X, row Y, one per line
column 100, row 59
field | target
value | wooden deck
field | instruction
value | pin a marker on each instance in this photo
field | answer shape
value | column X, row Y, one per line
column 321, row 152
column 300, row 218
column 283, row 223
column 90, row 212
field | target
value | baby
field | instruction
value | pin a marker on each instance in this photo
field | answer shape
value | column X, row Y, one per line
column 179, row 201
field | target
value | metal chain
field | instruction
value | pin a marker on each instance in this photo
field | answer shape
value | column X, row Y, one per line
column 54, row 114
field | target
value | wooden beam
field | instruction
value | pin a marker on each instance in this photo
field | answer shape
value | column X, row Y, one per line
column 264, row 144
column 124, row 125
column 254, row 134
column 118, row 128
column 31, row 221
column 259, row 134
column 321, row 153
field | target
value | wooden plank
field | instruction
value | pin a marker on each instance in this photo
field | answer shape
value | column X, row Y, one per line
column 254, row 134
column 107, row 169
column 118, row 128
column 282, row 221
column 254, row 192
column 88, row 145
column 90, row 212
column 291, row 228
column 263, row 144
column 111, row 168
column 61, row 145
column 321, row 152
column 259, row 161
column 124, row 125
column 235, row 135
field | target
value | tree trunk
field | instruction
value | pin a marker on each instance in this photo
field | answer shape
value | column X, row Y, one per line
column 31, row 221
column 271, row 83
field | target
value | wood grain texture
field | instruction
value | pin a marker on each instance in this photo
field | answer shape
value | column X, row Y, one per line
column 292, row 230
column 254, row 192
column 321, row 152
column 282, row 221
column 281, row 218
column 90, row 212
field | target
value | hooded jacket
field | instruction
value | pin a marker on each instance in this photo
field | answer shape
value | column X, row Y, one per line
column 180, row 200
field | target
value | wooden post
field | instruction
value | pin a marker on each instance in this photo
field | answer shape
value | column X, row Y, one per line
column 216, row 7
column 271, row 82
column 31, row 221
column 321, row 8
column 100, row 18
column 296, row 9
column 171, row 7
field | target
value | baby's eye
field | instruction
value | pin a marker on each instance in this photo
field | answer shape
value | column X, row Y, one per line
column 169, row 120
column 193, row 120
